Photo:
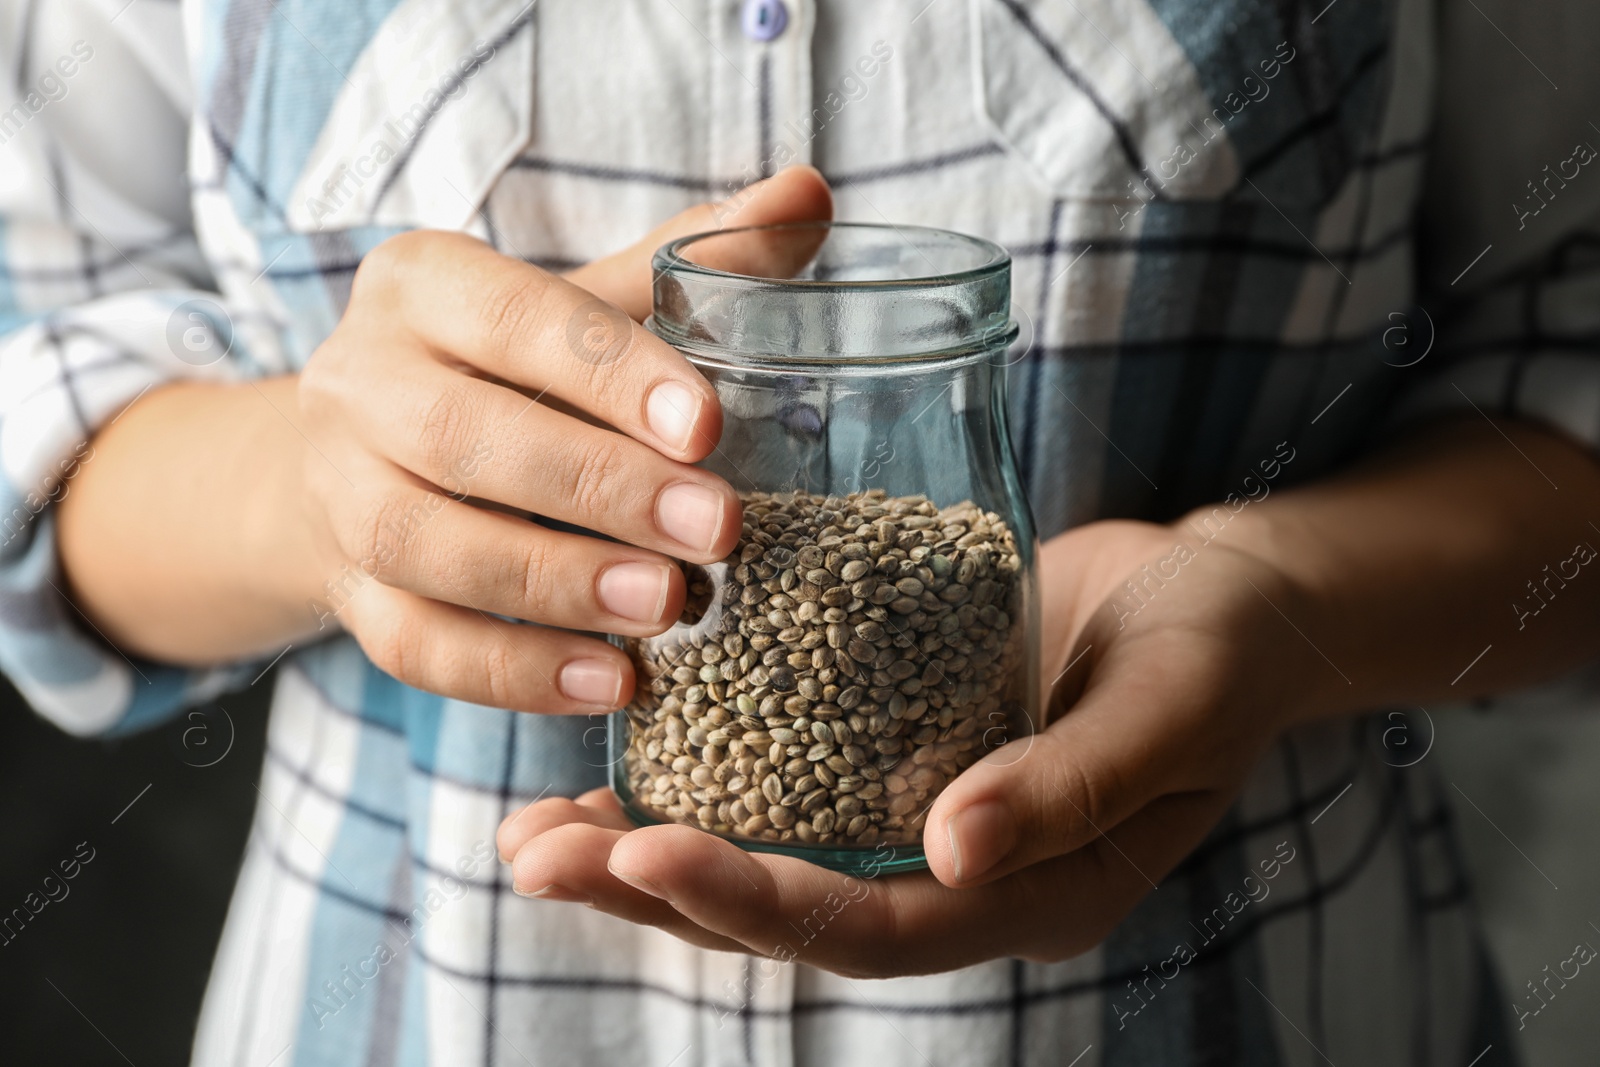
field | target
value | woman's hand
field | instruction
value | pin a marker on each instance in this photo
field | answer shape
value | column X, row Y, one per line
column 1041, row 848
column 1406, row 579
column 372, row 490
column 457, row 372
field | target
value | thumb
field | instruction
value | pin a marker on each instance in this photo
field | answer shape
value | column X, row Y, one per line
column 1056, row 791
column 796, row 194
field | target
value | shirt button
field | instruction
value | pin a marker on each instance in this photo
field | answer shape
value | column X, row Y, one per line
column 762, row 20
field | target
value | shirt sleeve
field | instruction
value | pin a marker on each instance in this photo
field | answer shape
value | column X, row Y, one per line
column 1511, row 218
column 104, row 295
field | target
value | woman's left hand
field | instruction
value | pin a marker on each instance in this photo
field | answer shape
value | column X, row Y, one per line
column 1163, row 700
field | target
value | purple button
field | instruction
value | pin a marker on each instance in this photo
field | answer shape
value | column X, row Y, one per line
column 762, row 20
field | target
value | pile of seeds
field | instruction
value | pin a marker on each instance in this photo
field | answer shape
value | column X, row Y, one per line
column 830, row 677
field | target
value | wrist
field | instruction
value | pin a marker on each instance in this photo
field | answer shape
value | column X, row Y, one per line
column 180, row 541
column 1284, row 623
column 282, row 565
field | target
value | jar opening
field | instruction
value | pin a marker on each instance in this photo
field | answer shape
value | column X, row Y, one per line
column 834, row 254
column 832, row 292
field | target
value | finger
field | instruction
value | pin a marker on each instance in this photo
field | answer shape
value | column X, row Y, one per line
column 1055, row 791
column 787, row 909
column 463, row 302
column 412, row 538
column 546, row 814
column 461, row 653
column 472, row 436
column 780, row 906
column 524, row 325
column 907, row 924
column 568, row 863
column 795, row 194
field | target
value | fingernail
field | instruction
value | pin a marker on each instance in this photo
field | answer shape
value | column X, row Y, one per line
column 557, row 892
column 980, row 836
column 641, row 884
column 591, row 681
column 673, row 409
column 690, row 514
column 636, row 591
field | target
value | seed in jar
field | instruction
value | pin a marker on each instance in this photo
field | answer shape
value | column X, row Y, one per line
column 772, row 788
column 860, row 652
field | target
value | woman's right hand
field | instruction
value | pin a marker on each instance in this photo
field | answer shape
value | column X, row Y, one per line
column 459, row 376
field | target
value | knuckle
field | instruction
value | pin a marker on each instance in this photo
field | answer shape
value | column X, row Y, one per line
column 596, row 466
column 371, row 538
column 537, row 565
column 381, row 269
column 514, row 307
column 1080, row 821
column 500, row 666
column 1076, row 806
column 406, row 259
column 397, row 650
column 445, row 429
column 1102, row 785
column 320, row 387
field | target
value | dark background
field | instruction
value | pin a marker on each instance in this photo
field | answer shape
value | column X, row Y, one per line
column 130, row 945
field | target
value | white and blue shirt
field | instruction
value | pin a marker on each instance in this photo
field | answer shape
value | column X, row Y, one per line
column 1238, row 227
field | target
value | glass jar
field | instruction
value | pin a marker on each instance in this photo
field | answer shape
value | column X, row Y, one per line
column 875, row 631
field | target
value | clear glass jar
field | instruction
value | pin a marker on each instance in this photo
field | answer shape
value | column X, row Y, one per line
column 875, row 631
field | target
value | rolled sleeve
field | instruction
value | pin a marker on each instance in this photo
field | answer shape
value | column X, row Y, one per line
column 103, row 296
column 63, row 377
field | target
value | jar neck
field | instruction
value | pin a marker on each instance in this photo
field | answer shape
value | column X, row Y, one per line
column 934, row 427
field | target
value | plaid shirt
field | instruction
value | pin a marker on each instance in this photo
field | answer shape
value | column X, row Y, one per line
column 1213, row 210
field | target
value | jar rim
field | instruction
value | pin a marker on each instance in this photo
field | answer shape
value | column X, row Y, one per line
column 863, row 300
column 669, row 257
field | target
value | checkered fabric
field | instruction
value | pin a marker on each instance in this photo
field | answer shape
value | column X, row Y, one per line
column 1214, row 211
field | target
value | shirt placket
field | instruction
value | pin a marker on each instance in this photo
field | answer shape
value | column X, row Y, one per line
column 759, row 68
